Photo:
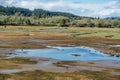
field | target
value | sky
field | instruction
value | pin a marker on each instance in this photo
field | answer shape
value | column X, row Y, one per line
column 90, row 8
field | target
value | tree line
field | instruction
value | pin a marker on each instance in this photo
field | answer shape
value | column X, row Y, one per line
column 21, row 16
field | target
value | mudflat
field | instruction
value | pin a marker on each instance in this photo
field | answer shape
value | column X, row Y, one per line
column 32, row 37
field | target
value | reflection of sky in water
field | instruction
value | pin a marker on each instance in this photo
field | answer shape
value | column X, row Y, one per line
column 64, row 53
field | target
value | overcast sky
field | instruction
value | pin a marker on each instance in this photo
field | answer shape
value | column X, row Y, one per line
column 94, row 8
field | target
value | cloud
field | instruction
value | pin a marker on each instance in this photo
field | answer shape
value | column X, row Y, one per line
column 105, row 9
column 2, row 2
column 111, row 8
column 114, row 4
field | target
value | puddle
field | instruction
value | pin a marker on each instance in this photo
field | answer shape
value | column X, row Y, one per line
column 64, row 53
column 114, row 45
column 35, row 40
column 10, row 71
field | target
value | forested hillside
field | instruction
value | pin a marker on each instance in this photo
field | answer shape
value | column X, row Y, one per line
column 36, row 12
column 22, row 16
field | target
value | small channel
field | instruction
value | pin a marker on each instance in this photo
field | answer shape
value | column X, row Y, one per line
column 63, row 53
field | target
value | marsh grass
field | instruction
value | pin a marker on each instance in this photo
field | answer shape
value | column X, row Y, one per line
column 4, row 64
column 72, row 31
column 22, row 61
column 41, row 75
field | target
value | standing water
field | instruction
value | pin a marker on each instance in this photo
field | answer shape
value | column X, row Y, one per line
column 64, row 53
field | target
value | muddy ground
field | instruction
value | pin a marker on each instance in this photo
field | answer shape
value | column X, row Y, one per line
column 85, row 70
column 41, row 40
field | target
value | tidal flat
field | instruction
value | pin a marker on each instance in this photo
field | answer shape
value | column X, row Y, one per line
column 64, row 54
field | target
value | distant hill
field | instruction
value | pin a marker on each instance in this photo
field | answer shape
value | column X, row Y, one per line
column 35, row 12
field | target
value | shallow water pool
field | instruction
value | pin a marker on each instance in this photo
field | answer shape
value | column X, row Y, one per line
column 64, row 53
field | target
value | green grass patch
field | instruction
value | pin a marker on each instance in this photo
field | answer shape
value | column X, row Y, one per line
column 22, row 61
